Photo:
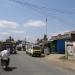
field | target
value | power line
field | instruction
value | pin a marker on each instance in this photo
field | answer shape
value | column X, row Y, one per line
column 57, row 10
column 37, row 9
column 44, row 7
column 40, row 9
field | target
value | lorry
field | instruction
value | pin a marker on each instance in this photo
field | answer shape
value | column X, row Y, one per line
column 34, row 50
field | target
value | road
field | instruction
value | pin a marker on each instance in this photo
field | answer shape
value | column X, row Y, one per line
column 22, row 64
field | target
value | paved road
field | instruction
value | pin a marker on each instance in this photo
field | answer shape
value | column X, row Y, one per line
column 22, row 64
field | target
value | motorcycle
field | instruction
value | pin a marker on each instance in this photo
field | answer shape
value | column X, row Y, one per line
column 5, row 63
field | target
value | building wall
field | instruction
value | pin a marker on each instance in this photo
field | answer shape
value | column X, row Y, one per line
column 60, row 46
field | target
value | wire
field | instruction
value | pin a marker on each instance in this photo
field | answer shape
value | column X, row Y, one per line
column 34, row 7
column 40, row 9
column 43, row 7
column 57, row 10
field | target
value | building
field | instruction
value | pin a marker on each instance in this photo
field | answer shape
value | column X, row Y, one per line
column 61, row 41
column 69, row 36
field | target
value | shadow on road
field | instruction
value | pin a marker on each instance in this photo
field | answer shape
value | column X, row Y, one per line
column 42, row 56
column 10, row 68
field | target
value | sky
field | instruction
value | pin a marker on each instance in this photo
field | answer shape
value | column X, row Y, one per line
column 28, row 18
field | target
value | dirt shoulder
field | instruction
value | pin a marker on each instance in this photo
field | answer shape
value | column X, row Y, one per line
column 64, row 63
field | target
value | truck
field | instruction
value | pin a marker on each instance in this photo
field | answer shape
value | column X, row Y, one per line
column 34, row 50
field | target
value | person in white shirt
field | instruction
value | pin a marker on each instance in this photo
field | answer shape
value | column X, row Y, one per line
column 5, row 56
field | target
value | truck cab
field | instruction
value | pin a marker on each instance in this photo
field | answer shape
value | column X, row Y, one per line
column 35, row 50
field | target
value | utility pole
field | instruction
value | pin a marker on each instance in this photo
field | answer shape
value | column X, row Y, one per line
column 46, row 26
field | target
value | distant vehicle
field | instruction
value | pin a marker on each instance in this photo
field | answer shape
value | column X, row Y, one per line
column 19, row 47
column 28, row 48
column 34, row 50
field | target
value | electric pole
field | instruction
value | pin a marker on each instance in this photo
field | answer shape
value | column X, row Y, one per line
column 46, row 26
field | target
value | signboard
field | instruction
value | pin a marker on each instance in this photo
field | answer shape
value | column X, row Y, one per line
column 69, row 48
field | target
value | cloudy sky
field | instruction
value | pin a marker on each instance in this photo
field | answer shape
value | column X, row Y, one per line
column 27, row 18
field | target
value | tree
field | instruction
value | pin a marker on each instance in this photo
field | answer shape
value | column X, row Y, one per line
column 9, row 39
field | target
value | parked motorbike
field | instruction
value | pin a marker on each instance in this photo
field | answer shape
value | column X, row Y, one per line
column 5, row 63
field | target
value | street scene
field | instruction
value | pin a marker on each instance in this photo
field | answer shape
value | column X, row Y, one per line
column 26, row 65
column 35, row 59
column 37, row 37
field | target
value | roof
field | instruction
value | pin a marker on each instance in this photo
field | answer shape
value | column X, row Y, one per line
column 66, row 35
